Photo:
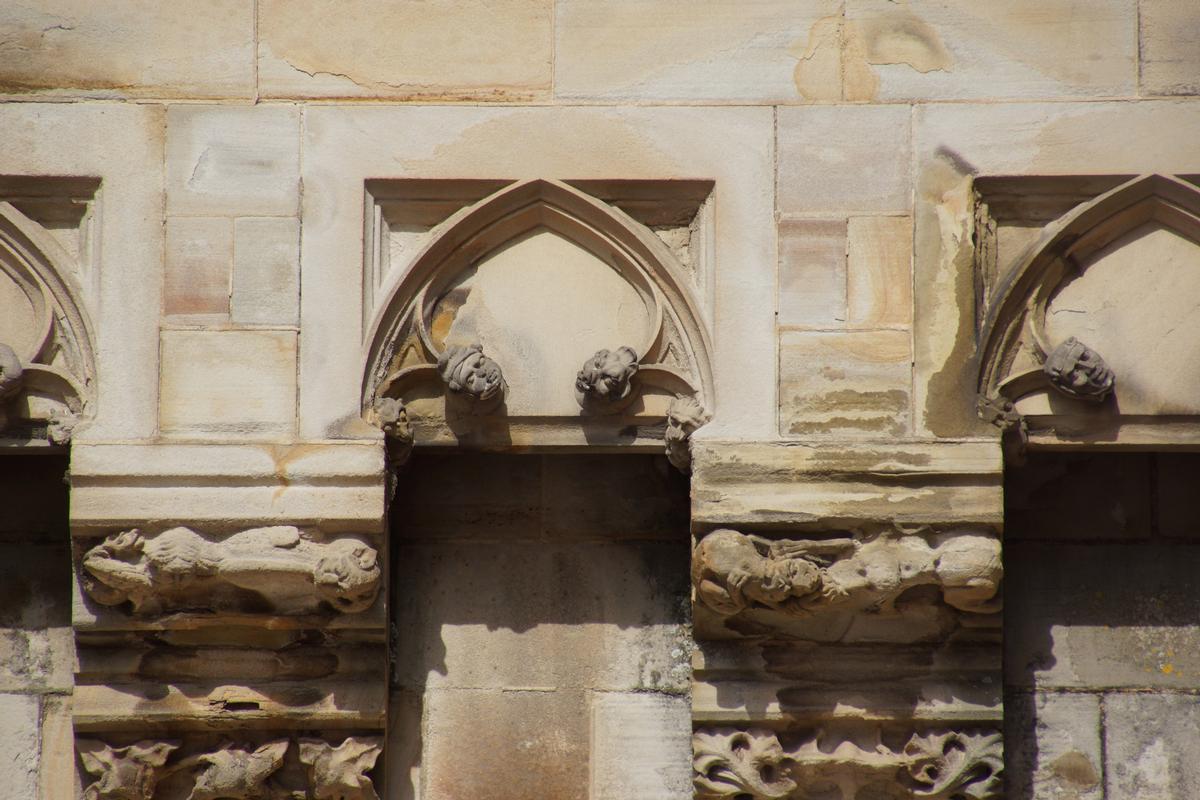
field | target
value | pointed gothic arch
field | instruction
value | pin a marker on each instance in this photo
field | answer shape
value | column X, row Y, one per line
column 45, row 334
column 431, row 314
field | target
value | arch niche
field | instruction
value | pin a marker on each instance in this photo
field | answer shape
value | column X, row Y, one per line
column 47, row 364
column 1094, row 334
column 540, row 317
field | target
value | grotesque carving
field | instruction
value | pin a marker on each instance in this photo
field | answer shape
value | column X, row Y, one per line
column 339, row 773
column 684, row 416
column 124, row 773
column 732, row 572
column 236, row 772
column 11, row 374
column 180, row 569
column 731, row 764
column 393, row 419
column 605, row 377
column 1078, row 371
column 751, row 764
column 467, row 371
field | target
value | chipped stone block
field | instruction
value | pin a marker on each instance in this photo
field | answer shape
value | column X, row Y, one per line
column 233, row 160
column 1167, row 33
column 228, row 383
column 879, row 271
column 1052, row 743
column 852, row 383
column 641, row 747
column 441, row 50
column 266, row 271
column 521, row 740
column 964, row 49
column 1098, row 615
column 19, row 732
column 849, row 159
column 812, row 272
column 78, row 48
column 198, row 260
column 1151, row 746
column 658, row 50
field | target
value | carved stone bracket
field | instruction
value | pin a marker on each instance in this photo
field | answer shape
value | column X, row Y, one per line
column 470, row 374
column 604, row 384
column 233, row 771
column 1078, row 371
column 685, row 416
column 733, row 571
column 752, row 764
column 180, row 569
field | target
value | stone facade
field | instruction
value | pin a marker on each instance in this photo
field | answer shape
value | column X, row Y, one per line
column 638, row 399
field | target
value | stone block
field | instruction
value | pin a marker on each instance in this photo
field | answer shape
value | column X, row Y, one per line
column 1151, row 746
column 1078, row 496
column 220, row 384
column 599, row 615
column 641, row 747
column 266, row 271
column 1099, row 615
column 198, row 261
column 963, row 49
column 19, row 732
column 879, row 272
column 812, row 273
column 497, row 50
column 233, row 160
column 522, row 741
column 1167, row 35
column 1052, row 747
column 660, row 51
column 58, row 780
column 63, row 48
column 855, row 383
column 848, row 159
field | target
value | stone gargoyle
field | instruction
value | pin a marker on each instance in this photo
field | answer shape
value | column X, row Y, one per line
column 606, row 378
column 733, row 571
column 279, row 567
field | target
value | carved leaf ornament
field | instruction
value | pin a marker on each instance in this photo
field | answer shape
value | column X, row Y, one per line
column 488, row 325
column 47, row 366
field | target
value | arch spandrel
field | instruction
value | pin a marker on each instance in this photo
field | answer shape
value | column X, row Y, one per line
column 540, row 316
column 1090, row 334
column 46, row 354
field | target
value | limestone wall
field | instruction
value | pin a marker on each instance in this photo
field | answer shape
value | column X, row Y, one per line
column 236, row 194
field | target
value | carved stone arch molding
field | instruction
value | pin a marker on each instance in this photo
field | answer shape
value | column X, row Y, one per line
column 1092, row 332
column 540, row 316
column 47, row 364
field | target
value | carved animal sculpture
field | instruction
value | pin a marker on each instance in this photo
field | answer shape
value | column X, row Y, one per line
column 181, row 569
column 731, row 573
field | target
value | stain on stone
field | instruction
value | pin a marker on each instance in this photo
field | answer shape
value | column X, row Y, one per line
column 1075, row 768
column 818, row 71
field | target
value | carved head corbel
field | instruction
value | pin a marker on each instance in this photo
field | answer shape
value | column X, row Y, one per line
column 685, row 415
column 469, row 373
column 348, row 576
column 605, row 380
column 1078, row 371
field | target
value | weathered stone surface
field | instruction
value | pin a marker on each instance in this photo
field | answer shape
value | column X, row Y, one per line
column 76, row 48
column 233, row 160
column 855, row 383
column 19, row 732
column 879, row 272
column 56, row 778
column 962, row 50
column 660, row 51
column 198, row 260
column 812, row 273
column 228, row 383
column 1079, row 496
column 531, row 735
column 1150, row 744
column 1092, row 615
column 641, row 746
column 1052, row 747
column 266, row 271
column 448, row 50
column 1167, row 32
column 789, row 483
column 849, row 159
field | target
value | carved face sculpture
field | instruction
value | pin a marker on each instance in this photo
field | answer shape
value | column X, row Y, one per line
column 469, row 371
column 730, row 573
column 348, row 577
column 606, row 375
column 1078, row 371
